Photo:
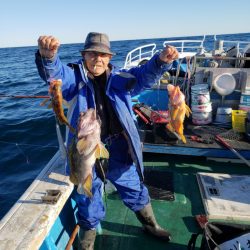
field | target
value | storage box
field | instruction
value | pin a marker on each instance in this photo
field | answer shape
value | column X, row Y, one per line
column 238, row 120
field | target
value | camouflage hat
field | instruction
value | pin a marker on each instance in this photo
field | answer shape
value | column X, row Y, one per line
column 98, row 42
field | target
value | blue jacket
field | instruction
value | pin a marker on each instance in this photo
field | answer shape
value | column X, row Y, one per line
column 122, row 84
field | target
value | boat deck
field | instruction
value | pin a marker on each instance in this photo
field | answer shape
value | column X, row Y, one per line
column 121, row 230
column 202, row 143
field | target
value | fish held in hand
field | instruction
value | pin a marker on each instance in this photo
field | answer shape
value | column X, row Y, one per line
column 178, row 110
column 84, row 150
column 57, row 103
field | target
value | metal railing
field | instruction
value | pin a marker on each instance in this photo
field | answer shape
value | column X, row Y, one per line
column 138, row 54
column 188, row 46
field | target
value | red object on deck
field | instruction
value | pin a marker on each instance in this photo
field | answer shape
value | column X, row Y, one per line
column 160, row 116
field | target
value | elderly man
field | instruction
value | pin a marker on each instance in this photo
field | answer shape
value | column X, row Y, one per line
column 93, row 82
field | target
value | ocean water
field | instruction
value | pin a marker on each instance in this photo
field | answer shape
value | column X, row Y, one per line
column 27, row 129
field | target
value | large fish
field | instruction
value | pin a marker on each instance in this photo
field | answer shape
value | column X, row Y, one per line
column 84, row 150
column 57, row 103
column 178, row 110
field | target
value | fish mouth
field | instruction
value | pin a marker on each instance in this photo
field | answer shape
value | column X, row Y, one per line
column 87, row 130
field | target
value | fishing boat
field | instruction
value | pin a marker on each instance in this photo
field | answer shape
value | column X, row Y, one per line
column 184, row 180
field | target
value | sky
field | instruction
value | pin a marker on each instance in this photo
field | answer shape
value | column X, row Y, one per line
column 23, row 21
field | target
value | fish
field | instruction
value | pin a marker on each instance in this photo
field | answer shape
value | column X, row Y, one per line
column 85, row 148
column 178, row 110
column 55, row 91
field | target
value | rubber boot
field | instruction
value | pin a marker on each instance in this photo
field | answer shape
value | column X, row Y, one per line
column 147, row 218
column 87, row 239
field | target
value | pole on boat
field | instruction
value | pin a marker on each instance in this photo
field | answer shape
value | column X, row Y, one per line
column 25, row 96
column 72, row 237
column 224, row 143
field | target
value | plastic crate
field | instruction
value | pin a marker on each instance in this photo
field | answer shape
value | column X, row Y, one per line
column 238, row 120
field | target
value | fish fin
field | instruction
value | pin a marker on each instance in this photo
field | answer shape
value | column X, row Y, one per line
column 170, row 127
column 50, row 106
column 188, row 111
column 81, row 146
column 44, row 102
column 101, row 152
column 65, row 103
column 87, row 186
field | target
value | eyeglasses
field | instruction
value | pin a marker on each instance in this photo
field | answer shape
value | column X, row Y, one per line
column 96, row 54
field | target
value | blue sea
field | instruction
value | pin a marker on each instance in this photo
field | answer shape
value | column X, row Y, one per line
column 28, row 136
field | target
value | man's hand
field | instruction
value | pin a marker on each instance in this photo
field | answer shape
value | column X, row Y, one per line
column 48, row 46
column 169, row 54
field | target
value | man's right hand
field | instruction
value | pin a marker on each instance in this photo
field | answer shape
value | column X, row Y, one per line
column 48, row 46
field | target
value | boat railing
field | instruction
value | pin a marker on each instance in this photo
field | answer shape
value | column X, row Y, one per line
column 187, row 47
column 240, row 47
column 139, row 54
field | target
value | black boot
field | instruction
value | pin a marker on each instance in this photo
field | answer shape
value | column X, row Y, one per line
column 87, row 239
column 147, row 218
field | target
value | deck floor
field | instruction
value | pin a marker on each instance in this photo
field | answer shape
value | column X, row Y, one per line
column 121, row 230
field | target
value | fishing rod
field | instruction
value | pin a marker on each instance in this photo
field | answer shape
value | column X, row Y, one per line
column 25, row 96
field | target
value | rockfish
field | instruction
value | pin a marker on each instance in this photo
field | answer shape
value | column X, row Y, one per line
column 57, row 103
column 178, row 110
column 84, row 150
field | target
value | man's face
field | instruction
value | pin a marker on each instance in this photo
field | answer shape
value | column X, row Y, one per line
column 96, row 62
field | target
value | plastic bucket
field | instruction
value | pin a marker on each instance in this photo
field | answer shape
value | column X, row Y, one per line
column 200, row 94
column 245, row 108
column 202, row 108
column 224, row 115
column 238, row 120
column 201, row 118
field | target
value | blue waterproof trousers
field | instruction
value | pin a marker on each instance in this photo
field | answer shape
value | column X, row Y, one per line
column 123, row 174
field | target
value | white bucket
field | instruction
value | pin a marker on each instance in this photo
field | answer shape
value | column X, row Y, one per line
column 201, row 115
column 202, row 108
column 201, row 118
column 202, row 121
column 200, row 94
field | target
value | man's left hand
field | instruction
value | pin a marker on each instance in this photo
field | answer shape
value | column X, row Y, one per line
column 169, row 54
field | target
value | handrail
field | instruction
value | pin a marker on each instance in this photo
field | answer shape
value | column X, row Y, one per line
column 138, row 54
column 185, row 44
column 240, row 46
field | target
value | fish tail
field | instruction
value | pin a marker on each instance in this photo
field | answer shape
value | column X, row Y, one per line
column 183, row 138
column 72, row 130
column 87, row 186
column 44, row 102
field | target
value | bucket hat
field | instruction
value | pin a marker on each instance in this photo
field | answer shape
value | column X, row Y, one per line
column 98, row 42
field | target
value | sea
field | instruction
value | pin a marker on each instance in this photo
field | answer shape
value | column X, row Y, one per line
column 27, row 130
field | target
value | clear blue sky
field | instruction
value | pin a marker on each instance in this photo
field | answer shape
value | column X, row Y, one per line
column 23, row 21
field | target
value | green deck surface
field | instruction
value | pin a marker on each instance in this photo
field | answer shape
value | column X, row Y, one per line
column 121, row 230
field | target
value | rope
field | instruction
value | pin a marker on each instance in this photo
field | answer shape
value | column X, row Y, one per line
column 25, row 144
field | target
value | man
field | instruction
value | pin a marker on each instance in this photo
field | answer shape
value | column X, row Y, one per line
column 93, row 82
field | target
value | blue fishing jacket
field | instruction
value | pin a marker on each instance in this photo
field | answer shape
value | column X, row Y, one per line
column 122, row 84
